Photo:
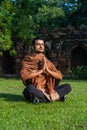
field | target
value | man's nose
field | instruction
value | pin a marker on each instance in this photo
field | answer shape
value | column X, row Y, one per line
column 41, row 45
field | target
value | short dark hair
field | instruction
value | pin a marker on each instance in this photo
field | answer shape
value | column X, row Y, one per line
column 37, row 38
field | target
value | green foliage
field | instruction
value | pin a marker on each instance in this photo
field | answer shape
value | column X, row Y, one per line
column 24, row 26
column 79, row 15
column 5, row 25
column 13, row 52
column 24, row 29
column 21, row 20
column 80, row 72
column 50, row 16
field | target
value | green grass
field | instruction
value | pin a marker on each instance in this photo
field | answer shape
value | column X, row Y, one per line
column 17, row 114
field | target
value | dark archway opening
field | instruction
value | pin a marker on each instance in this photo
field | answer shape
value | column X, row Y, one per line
column 8, row 63
column 78, row 57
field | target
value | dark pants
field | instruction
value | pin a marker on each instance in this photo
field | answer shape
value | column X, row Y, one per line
column 30, row 92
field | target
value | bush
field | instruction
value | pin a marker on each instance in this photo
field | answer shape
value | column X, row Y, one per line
column 80, row 72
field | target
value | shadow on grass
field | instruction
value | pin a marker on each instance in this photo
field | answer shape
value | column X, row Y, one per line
column 12, row 97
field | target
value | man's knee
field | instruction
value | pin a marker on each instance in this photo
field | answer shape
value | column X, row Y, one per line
column 68, row 86
column 30, row 88
column 26, row 94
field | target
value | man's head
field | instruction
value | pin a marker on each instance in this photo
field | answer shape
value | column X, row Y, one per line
column 38, row 44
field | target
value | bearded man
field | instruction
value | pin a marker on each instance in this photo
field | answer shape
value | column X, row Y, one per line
column 41, row 77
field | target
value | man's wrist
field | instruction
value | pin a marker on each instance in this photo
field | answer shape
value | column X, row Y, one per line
column 41, row 71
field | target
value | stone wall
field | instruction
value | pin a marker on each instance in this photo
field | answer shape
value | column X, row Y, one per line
column 60, row 48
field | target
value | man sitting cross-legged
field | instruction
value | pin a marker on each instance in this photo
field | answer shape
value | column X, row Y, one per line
column 41, row 77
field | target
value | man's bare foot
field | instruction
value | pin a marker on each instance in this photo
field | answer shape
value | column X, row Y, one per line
column 51, row 91
column 54, row 96
column 38, row 87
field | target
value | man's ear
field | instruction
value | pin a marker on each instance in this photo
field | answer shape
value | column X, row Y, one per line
column 32, row 47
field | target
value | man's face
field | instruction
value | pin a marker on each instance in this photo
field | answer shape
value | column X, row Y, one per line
column 39, row 46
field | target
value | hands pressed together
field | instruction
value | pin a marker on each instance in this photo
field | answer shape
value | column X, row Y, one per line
column 43, row 65
column 51, row 94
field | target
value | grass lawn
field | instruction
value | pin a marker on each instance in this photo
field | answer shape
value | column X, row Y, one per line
column 17, row 114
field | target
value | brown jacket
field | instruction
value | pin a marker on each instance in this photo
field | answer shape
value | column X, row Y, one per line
column 32, row 63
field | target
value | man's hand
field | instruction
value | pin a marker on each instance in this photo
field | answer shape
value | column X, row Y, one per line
column 55, row 74
column 41, row 64
column 45, row 65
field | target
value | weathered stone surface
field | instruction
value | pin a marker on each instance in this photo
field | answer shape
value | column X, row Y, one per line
column 67, row 49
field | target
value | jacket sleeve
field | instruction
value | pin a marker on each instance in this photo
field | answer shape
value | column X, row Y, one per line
column 25, row 69
column 28, row 66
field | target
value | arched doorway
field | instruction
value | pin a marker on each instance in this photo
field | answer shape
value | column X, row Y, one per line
column 78, row 56
column 7, row 63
